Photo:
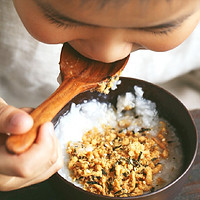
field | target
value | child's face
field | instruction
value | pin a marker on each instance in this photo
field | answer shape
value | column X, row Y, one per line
column 108, row 30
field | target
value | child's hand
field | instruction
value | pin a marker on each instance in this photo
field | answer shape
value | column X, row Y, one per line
column 38, row 163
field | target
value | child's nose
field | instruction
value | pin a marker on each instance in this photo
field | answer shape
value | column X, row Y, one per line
column 103, row 50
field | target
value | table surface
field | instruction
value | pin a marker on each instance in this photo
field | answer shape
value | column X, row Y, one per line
column 44, row 190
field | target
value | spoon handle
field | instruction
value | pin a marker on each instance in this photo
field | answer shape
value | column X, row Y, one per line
column 46, row 112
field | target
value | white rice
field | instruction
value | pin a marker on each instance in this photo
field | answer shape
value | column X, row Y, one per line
column 83, row 117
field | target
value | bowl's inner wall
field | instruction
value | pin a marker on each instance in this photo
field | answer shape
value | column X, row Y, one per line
column 168, row 107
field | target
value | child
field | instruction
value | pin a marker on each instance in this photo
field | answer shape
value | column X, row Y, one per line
column 102, row 30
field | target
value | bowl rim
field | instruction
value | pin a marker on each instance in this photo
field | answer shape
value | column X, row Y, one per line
column 149, row 194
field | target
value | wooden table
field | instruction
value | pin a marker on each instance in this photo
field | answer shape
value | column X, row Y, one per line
column 44, row 190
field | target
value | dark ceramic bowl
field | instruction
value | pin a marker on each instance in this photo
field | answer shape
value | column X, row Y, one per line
column 169, row 108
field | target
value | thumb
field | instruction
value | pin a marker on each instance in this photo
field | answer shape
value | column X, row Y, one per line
column 13, row 120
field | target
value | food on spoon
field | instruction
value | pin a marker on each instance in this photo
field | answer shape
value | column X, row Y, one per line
column 111, row 83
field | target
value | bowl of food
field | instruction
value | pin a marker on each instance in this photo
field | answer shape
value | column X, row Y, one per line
column 137, row 142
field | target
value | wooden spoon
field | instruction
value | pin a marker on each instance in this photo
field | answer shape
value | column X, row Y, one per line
column 79, row 74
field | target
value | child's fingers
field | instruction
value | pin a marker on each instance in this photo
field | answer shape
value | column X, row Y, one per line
column 37, row 164
column 41, row 156
column 54, row 167
column 27, row 110
column 13, row 120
